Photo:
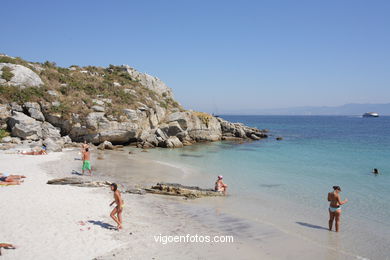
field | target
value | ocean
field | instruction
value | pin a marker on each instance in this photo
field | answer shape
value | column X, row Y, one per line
column 284, row 184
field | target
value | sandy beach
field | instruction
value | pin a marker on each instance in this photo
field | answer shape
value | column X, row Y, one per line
column 65, row 222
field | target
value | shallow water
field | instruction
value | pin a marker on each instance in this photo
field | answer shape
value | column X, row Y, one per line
column 284, row 184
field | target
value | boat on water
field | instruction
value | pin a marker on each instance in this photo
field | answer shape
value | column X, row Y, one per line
column 370, row 114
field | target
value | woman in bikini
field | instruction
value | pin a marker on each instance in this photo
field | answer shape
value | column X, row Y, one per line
column 335, row 207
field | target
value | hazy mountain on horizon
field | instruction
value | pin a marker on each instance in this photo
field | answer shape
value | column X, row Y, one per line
column 347, row 109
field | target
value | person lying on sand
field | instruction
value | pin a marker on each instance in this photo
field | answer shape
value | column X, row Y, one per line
column 10, row 179
column 6, row 246
column 41, row 152
column 220, row 186
column 335, row 207
column 119, row 206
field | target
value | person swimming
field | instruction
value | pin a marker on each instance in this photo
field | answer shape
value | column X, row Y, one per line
column 375, row 171
column 335, row 207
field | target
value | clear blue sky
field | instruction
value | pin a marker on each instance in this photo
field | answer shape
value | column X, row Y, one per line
column 218, row 55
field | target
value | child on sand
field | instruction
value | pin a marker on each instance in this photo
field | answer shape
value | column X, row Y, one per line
column 119, row 206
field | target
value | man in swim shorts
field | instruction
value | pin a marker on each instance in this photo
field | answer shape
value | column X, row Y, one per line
column 87, row 161
column 335, row 207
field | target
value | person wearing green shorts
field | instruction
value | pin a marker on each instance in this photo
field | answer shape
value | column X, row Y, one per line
column 87, row 161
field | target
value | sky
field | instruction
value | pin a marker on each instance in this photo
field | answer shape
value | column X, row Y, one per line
column 218, row 55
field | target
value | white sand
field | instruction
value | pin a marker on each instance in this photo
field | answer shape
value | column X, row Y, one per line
column 42, row 220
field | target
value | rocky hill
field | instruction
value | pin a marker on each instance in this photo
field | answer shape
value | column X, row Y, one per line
column 41, row 103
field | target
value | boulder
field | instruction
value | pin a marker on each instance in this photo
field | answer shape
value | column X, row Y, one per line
column 153, row 120
column 49, row 131
column 7, row 139
column 16, row 107
column 54, row 144
column 160, row 133
column 57, row 120
column 25, row 127
column 183, row 118
column 95, row 119
column 173, row 129
column 106, row 145
column 16, row 140
column 53, row 93
column 199, row 126
column 34, row 110
column 22, row 76
column 67, row 139
column 98, row 108
column 173, row 142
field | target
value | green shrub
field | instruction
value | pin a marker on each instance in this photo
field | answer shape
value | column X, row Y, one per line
column 3, row 133
column 15, row 94
column 7, row 73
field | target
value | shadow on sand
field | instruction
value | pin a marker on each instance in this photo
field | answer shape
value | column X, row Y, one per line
column 102, row 224
column 310, row 225
column 76, row 173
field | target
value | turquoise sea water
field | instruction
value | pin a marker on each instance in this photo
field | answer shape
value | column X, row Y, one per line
column 285, row 183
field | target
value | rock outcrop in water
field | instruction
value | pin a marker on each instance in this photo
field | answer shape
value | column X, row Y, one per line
column 175, row 189
column 171, row 189
column 46, row 104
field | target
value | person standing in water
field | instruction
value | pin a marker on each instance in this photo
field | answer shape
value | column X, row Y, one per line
column 87, row 161
column 335, row 207
column 119, row 206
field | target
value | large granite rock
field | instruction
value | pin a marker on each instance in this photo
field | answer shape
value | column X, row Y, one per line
column 150, row 82
column 199, row 126
column 106, row 145
column 24, row 126
column 54, row 144
column 22, row 76
column 238, row 130
column 49, row 131
column 173, row 142
column 34, row 110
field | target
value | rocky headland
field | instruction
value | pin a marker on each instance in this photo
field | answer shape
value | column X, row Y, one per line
column 43, row 104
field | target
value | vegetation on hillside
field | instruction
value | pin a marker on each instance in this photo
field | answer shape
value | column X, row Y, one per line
column 77, row 87
column 6, row 73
